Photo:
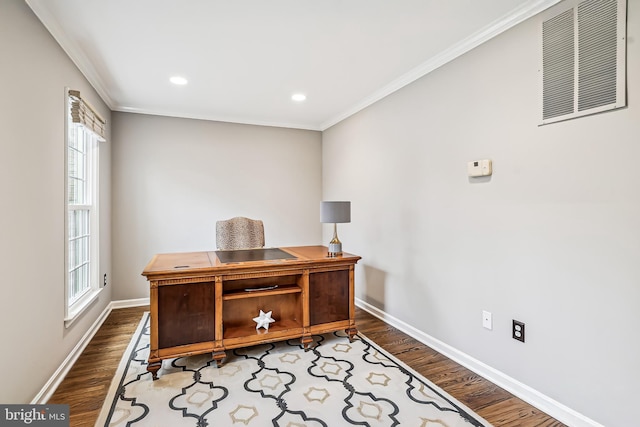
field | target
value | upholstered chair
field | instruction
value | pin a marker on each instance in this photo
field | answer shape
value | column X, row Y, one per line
column 239, row 233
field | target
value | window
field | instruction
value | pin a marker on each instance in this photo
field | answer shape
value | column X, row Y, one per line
column 82, row 260
column 583, row 60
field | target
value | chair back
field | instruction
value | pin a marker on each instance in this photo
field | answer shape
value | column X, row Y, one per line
column 239, row 233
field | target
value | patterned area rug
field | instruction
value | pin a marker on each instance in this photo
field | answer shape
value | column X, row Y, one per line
column 335, row 383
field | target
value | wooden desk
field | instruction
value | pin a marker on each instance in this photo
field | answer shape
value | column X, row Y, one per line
column 200, row 304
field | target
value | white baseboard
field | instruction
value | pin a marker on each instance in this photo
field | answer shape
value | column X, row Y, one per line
column 126, row 303
column 50, row 387
column 541, row 401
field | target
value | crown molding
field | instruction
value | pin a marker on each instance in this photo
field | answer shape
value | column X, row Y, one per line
column 520, row 14
column 499, row 26
column 72, row 50
column 219, row 118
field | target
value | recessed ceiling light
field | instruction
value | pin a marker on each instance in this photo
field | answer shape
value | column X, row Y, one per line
column 299, row 97
column 177, row 80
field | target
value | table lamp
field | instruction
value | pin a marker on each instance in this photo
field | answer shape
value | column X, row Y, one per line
column 335, row 212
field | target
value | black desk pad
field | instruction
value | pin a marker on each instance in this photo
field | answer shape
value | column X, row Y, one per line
column 248, row 255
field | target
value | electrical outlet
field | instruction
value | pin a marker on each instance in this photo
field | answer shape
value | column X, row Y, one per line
column 518, row 330
column 105, row 281
column 487, row 322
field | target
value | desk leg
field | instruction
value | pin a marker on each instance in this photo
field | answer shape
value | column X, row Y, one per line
column 306, row 341
column 154, row 368
column 351, row 331
column 219, row 356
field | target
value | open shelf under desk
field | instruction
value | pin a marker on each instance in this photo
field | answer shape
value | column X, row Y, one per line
column 257, row 292
column 279, row 327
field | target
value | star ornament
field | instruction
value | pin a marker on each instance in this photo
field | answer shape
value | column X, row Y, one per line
column 263, row 320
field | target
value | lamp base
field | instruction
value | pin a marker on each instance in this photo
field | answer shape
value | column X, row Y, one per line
column 335, row 245
column 335, row 249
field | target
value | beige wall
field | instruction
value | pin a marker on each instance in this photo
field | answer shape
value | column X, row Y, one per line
column 34, row 74
column 174, row 178
column 551, row 239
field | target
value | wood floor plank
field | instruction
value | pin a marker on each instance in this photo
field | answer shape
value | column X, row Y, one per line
column 86, row 385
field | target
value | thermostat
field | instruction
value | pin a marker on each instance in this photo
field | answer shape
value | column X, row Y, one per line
column 479, row 168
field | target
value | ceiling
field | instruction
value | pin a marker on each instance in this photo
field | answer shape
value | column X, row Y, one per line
column 244, row 59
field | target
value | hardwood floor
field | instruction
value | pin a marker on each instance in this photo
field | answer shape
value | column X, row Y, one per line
column 87, row 383
column 491, row 402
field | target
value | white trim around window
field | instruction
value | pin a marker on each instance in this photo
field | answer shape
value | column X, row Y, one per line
column 82, row 257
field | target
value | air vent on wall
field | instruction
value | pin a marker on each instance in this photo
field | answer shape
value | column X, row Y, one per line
column 583, row 60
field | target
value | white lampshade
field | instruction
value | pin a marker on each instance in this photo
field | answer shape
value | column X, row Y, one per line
column 335, row 212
